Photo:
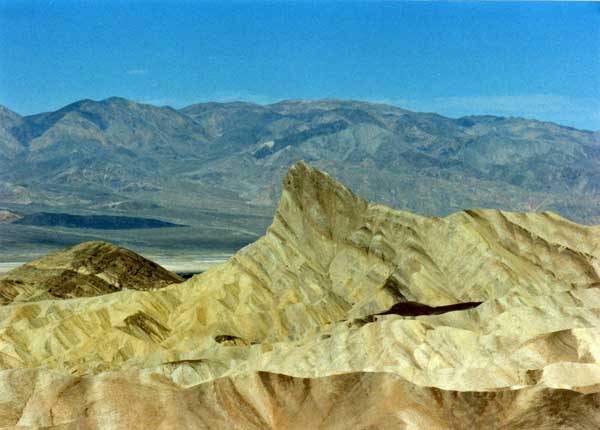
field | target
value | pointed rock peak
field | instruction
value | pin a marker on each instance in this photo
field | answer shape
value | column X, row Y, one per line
column 312, row 196
column 306, row 182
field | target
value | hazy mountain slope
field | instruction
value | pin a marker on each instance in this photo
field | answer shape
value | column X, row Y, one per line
column 108, row 143
column 499, row 149
column 232, row 127
column 119, row 122
column 289, row 333
column 388, row 153
column 9, row 144
column 99, row 156
column 383, row 150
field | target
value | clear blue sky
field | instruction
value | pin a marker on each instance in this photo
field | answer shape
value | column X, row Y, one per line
column 537, row 60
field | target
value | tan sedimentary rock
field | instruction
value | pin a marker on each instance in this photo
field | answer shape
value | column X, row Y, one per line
column 87, row 269
column 344, row 315
column 261, row 400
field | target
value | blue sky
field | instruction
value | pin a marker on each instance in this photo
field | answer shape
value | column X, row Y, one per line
column 539, row 60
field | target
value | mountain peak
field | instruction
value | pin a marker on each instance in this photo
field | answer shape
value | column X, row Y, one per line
column 90, row 104
column 306, row 183
column 118, row 101
column 310, row 196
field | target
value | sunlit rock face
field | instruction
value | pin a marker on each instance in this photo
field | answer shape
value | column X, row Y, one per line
column 343, row 315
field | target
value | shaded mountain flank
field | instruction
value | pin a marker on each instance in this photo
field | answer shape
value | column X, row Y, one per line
column 482, row 319
column 231, row 158
column 102, row 222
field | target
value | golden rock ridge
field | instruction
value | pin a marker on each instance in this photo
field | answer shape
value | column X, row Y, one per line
column 344, row 315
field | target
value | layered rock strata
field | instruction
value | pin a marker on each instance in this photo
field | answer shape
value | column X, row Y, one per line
column 84, row 270
column 344, row 315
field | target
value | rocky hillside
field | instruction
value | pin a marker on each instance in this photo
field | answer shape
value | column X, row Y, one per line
column 109, row 155
column 88, row 269
column 345, row 314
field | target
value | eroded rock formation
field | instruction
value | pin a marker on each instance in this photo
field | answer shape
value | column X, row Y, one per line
column 87, row 269
column 344, row 315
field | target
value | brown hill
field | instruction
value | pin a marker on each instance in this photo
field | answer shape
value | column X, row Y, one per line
column 87, row 269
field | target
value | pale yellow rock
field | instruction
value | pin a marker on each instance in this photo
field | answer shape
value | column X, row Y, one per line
column 302, row 301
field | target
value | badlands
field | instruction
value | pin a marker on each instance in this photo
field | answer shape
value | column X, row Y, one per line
column 344, row 315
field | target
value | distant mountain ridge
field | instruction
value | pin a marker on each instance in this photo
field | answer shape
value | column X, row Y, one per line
column 98, row 156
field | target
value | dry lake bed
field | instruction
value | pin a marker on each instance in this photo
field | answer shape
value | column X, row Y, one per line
column 182, row 265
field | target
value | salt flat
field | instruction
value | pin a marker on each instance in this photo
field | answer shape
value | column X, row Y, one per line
column 9, row 265
column 174, row 264
column 189, row 264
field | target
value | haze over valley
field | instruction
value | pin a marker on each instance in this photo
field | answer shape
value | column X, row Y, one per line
column 215, row 169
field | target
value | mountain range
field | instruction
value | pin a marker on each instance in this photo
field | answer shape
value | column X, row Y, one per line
column 217, row 167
